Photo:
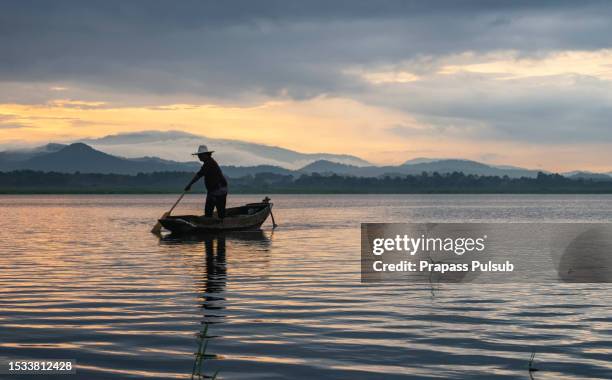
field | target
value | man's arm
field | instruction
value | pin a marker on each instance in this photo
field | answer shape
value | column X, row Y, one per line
column 195, row 178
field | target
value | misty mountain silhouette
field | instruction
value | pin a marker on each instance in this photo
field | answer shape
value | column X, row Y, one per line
column 418, row 166
column 588, row 175
column 177, row 146
column 80, row 157
column 24, row 154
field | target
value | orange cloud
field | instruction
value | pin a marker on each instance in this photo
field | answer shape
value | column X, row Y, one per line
column 322, row 124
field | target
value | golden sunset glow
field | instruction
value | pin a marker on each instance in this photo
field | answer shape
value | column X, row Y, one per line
column 597, row 64
column 310, row 126
column 520, row 91
column 319, row 125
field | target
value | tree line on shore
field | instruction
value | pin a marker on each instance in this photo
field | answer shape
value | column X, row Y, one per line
column 27, row 181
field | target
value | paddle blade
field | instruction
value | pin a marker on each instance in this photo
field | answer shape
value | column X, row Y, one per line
column 157, row 227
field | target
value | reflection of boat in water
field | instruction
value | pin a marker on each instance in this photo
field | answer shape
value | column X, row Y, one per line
column 212, row 277
column 249, row 246
column 255, row 236
column 248, row 217
column 214, row 301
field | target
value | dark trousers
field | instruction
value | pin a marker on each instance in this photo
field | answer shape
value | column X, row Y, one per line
column 213, row 201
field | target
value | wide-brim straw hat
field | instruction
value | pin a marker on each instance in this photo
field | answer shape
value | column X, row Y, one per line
column 202, row 149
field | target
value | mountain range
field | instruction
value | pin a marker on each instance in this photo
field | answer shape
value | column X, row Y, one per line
column 419, row 166
column 178, row 146
column 81, row 157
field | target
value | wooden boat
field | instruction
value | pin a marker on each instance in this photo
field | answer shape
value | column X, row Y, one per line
column 248, row 217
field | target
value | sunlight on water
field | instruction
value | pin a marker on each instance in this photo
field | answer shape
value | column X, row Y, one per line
column 82, row 278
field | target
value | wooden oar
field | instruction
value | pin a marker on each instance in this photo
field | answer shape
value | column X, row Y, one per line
column 267, row 200
column 274, row 225
column 157, row 228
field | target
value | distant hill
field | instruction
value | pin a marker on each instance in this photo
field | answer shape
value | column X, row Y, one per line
column 419, row 166
column 468, row 167
column 241, row 171
column 588, row 175
column 328, row 167
column 24, row 154
column 178, row 145
column 80, row 157
column 421, row 160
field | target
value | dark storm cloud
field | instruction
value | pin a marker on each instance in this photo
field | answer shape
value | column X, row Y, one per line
column 245, row 51
column 292, row 48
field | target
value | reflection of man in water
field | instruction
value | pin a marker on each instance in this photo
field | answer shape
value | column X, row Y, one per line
column 216, row 184
column 216, row 270
column 215, row 279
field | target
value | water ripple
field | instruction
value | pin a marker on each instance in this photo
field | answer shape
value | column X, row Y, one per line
column 81, row 277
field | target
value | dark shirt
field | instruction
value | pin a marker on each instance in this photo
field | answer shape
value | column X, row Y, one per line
column 213, row 176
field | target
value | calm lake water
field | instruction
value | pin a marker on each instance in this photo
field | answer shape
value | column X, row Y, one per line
column 82, row 278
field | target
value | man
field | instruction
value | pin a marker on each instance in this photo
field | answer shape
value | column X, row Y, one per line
column 216, row 184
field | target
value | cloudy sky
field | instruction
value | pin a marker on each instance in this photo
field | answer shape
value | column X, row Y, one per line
column 521, row 83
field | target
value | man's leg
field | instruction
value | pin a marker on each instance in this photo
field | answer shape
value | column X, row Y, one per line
column 209, row 206
column 220, row 202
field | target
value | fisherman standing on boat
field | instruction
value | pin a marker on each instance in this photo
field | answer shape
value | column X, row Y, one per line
column 216, row 184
